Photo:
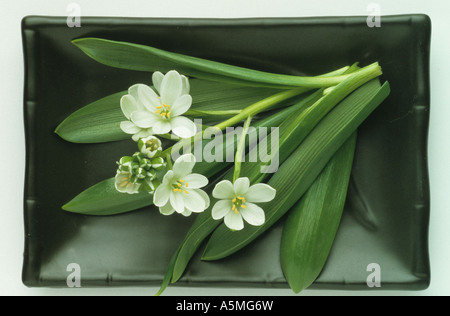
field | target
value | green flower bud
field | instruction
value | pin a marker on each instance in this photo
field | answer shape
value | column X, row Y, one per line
column 137, row 157
column 124, row 164
column 133, row 166
column 150, row 175
column 159, row 163
column 151, row 185
column 146, row 164
column 141, row 173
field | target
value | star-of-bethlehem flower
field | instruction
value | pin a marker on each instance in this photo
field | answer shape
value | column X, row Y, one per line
column 149, row 113
column 180, row 190
column 237, row 202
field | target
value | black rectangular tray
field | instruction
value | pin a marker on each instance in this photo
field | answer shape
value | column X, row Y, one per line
column 386, row 219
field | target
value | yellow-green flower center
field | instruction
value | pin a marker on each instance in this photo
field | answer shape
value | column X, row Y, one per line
column 164, row 111
column 125, row 182
column 152, row 144
column 181, row 186
column 238, row 203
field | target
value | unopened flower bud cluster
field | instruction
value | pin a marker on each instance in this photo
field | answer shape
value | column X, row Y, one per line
column 138, row 173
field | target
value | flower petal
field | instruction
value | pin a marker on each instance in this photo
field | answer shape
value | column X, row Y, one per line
column 253, row 214
column 129, row 127
column 144, row 119
column 186, row 213
column 194, row 202
column 181, row 105
column 124, row 185
column 168, row 178
column 157, row 79
column 162, row 126
column 234, row 221
column 134, row 92
column 171, row 87
column 133, row 188
column 205, row 197
column 142, row 134
column 260, row 193
column 183, row 127
column 196, row 181
column 128, row 105
column 221, row 209
column 224, row 190
column 149, row 98
column 136, row 137
column 186, row 86
column 122, row 180
column 241, row 186
column 183, row 166
column 167, row 209
column 177, row 201
column 162, row 195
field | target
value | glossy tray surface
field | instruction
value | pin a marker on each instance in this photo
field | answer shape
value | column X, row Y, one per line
column 385, row 221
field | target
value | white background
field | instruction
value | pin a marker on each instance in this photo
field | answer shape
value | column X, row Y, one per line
column 12, row 158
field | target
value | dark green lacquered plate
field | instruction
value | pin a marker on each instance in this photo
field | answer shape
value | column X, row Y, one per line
column 386, row 219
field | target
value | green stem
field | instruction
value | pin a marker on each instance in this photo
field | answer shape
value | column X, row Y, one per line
column 212, row 113
column 332, row 96
column 169, row 161
column 240, row 150
column 261, row 106
column 251, row 110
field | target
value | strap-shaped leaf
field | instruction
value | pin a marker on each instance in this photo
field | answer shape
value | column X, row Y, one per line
column 103, row 199
column 312, row 224
column 146, row 58
column 100, row 121
column 97, row 122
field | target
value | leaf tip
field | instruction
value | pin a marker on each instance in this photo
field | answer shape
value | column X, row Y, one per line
column 160, row 292
column 66, row 207
column 58, row 130
column 61, row 133
column 77, row 41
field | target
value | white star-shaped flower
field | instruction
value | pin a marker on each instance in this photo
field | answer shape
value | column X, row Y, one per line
column 160, row 114
column 180, row 190
column 237, row 202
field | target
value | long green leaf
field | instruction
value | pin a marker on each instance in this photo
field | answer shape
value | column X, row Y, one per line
column 95, row 123
column 168, row 274
column 103, row 199
column 100, row 121
column 145, row 58
column 312, row 224
column 303, row 166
